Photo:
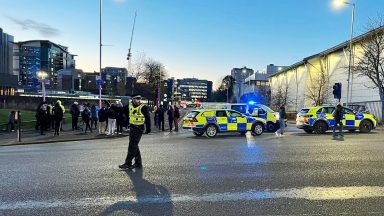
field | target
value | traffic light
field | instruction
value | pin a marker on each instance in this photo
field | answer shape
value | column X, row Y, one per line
column 337, row 90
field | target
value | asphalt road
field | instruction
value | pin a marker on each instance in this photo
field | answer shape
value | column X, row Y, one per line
column 298, row 174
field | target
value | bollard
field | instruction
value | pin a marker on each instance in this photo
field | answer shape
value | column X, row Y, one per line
column 18, row 116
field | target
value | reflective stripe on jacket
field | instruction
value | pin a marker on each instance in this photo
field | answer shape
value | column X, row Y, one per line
column 136, row 117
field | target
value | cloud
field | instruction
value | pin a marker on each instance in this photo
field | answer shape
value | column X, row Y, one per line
column 41, row 28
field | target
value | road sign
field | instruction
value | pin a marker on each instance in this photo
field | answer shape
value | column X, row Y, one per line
column 99, row 82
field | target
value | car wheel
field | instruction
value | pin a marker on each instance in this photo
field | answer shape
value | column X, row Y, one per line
column 320, row 127
column 308, row 131
column 365, row 126
column 257, row 129
column 271, row 127
column 211, row 131
column 196, row 133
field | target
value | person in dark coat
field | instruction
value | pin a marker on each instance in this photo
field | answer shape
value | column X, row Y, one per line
column 86, row 117
column 338, row 116
column 171, row 117
column 58, row 117
column 177, row 116
column 126, row 116
column 282, row 118
column 161, row 113
column 75, row 113
column 103, row 117
column 94, row 116
column 119, row 117
column 112, row 116
column 11, row 121
column 139, row 116
column 37, row 125
column 43, row 118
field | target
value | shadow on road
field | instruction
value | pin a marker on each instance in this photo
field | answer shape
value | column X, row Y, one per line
column 151, row 199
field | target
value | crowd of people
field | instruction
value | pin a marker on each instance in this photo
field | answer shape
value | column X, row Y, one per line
column 173, row 113
column 49, row 116
column 110, row 119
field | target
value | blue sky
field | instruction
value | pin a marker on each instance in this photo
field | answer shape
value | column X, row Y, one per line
column 192, row 38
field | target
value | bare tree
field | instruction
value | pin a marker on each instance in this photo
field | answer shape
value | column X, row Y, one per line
column 319, row 89
column 371, row 57
column 154, row 72
column 280, row 96
column 136, row 67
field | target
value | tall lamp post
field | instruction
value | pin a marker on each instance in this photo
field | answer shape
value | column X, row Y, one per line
column 42, row 75
column 100, row 83
column 338, row 4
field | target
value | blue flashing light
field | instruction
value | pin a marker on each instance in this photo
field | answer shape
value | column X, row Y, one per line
column 252, row 102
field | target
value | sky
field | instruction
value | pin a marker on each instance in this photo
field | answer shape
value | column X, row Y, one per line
column 203, row 39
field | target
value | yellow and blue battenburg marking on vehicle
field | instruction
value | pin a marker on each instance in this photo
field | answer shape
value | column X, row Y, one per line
column 320, row 119
column 216, row 121
column 251, row 108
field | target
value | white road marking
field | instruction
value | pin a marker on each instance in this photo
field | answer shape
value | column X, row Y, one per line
column 308, row 193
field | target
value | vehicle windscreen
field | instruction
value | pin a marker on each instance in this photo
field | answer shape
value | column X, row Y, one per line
column 192, row 114
column 266, row 108
column 240, row 108
column 304, row 111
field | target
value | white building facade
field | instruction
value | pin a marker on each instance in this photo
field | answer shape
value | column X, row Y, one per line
column 302, row 80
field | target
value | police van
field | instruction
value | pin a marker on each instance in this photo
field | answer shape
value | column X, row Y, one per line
column 250, row 109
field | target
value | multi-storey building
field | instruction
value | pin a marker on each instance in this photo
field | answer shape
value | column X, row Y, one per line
column 8, row 81
column 240, row 74
column 33, row 56
column 189, row 89
column 111, row 76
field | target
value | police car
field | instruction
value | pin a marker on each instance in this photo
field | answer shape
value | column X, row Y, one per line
column 320, row 119
column 214, row 121
column 251, row 109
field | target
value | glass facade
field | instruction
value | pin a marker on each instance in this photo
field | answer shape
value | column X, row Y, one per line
column 35, row 56
column 191, row 89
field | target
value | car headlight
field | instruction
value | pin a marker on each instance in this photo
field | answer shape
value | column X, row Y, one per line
column 277, row 115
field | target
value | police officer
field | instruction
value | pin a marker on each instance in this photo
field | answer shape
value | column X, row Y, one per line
column 138, row 116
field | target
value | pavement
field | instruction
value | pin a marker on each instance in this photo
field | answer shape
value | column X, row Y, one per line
column 232, row 174
column 32, row 136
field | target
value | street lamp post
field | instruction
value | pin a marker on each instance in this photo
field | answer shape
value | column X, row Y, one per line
column 339, row 3
column 100, row 85
column 159, row 89
column 42, row 75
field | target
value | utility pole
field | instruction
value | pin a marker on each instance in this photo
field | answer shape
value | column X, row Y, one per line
column 129, row 51
column 100, row 84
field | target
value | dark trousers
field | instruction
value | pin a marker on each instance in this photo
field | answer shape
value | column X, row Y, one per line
column 338, row 122
column 170, row 121
column 94, row 122
column 42, row 126
column 176, row 122
column 11, row 126
column 133, row 148
column 57, row 126
column 87, row 126
column 74, row 122
column 161, row 124
column 119, row 125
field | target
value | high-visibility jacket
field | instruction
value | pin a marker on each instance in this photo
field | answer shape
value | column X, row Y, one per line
column 136, row 117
